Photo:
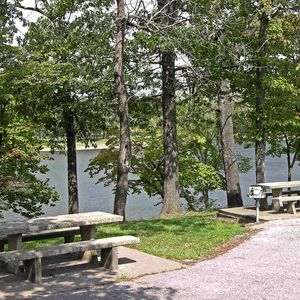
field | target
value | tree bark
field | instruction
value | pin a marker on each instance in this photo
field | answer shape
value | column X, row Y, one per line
column 125, row 142
column 260, row 142
column 206, row 199
column 73, row 205
column 232, row 177
column 171, row 178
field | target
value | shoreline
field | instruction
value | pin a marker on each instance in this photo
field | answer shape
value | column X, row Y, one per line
column 78, row 148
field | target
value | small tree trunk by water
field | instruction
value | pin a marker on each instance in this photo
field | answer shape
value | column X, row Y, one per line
column 234, row 197
column 171, row 177
column 206, row 199
column 125, row 142
column 260, row 142
column 73, row 203
column 291, row 159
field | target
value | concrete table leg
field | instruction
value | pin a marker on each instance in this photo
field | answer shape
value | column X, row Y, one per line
column 109, row 258
column 88, row 232
column 257, row 210
column 291, row 207
column 277, row 205
column 33, row 268
column 2, row 244
column 69, row 239
column 14, row 242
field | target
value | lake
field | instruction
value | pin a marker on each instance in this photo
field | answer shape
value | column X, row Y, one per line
column 94, row 197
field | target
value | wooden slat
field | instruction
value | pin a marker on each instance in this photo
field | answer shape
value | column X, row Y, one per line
column 26, row 254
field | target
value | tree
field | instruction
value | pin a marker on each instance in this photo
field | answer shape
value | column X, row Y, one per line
column 67, row 79
column 283, row 126
column 125, row 142
column 20, row 159
column 168, row 11
column 210, row 41
column 268, row 68
column 234, row 197
column 198, row 158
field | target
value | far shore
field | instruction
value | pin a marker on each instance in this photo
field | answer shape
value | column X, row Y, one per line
column 78, row 148
column 100, row 144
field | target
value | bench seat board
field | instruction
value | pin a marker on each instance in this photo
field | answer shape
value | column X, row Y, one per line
column 34, row 236
column 287, row 198
column 40, row 252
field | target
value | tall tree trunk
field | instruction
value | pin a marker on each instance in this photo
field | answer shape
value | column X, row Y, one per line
column 171, row 180
column 289, row 162
column 291, row 159
column 72, row 162
column 206, row 199
column 234, row 197
column 260, row 143
column 2, row 123
column 125, row 142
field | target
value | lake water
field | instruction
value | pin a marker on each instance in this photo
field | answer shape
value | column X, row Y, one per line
column 94, row 197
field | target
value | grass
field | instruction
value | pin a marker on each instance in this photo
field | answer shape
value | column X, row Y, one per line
column 183, row 237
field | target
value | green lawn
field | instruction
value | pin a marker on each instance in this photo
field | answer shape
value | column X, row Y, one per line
column 191, row 236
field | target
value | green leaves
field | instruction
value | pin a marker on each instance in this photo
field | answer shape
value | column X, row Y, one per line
column 20, row 190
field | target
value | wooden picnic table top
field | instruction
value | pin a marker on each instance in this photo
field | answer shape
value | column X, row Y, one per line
column 280, row 185
column 57, row 222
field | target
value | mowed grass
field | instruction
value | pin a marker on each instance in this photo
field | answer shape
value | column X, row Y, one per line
column 189, row 236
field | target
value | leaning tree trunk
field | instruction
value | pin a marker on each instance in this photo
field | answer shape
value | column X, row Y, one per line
column 234, row 197
column 171, row 178
column 125, row 142
column 260, row 143
column 72, row 164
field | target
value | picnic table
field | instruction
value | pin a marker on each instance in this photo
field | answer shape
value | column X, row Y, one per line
column 281, row 192
column 14, row 232
column 87, row 222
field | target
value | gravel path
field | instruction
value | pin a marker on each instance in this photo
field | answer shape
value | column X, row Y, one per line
column 267, row 266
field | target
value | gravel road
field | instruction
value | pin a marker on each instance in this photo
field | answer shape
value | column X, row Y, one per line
column 267, row 266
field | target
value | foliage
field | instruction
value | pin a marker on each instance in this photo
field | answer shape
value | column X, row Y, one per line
column 65, row 63
column 68, row 60
column 20, row 189
column 197, row 175
column 20, row 158
column 279, row 62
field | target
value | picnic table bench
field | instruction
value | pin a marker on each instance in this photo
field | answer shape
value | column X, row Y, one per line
column 14, row 232
column 67, row 233
column 32, row 257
